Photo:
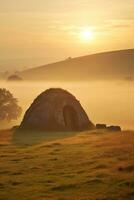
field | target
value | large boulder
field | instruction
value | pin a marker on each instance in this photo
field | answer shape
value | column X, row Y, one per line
column 101, row 126
column 114, row 128
column 56, row 110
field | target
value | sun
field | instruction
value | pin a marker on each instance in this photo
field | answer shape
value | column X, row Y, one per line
column 86, row 35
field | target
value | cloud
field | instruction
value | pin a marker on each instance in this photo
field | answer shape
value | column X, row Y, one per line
column 112, row 25
column 106, row 26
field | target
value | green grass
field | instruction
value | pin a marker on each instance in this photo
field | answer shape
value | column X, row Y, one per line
column 82, row 166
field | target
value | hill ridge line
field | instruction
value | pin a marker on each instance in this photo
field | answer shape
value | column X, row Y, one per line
column 75, row 58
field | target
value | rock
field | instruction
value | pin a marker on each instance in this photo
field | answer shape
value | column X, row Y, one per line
column 101, row 126
column 56, row 110
column 114, row 128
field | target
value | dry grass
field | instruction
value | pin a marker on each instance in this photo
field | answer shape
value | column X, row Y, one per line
column 86, row 166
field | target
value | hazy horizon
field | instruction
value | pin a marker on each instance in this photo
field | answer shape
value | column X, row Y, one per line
column 50, row 31
column 100, row 99
column 35, row 33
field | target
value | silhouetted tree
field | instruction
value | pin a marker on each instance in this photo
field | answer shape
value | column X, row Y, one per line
column 9, row 108
column 69, row 58
column 14, row 77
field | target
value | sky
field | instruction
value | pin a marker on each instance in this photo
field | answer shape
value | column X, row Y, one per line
column 35, row 32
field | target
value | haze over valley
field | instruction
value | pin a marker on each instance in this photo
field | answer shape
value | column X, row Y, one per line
column 100, row 99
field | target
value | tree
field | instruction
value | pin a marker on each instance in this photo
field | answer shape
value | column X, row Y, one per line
column 14, row 78
column 9, row 108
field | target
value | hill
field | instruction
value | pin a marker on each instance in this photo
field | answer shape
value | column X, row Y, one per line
column 83, row 166
column 107, row 65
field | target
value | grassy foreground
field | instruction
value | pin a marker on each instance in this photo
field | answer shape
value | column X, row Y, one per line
column 84, row 166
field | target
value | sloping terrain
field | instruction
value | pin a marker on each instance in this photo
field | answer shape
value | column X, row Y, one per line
column 108, row 65
column 85, row 166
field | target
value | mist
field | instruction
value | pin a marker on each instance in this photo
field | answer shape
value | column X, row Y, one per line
column 109, row 102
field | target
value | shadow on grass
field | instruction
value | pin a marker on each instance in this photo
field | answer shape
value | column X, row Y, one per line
column 32, row 138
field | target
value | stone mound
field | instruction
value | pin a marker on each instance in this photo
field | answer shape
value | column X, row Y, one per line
column 56, row 110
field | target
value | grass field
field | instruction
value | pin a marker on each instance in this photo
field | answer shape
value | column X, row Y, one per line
column 83, row 166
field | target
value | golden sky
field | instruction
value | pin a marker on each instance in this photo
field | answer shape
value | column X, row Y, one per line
column 49, row 30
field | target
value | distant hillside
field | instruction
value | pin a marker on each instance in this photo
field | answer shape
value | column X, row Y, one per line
column 108, row 65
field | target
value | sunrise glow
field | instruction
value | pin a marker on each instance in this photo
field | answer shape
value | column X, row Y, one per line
column 86, row 35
